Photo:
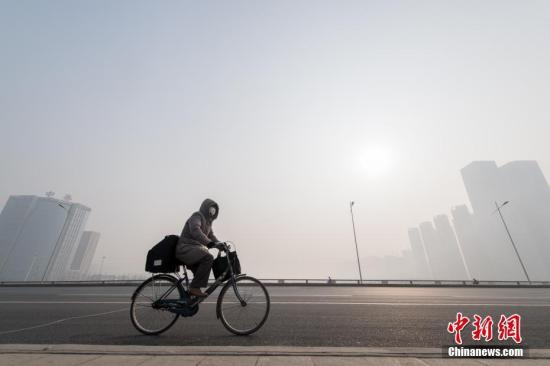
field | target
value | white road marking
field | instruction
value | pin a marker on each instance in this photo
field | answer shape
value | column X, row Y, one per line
column 214, row 302
column 502, row 297
column 400, row 303
column 130, row 295
column 61, row 320
column 296, row 295
column 100, row 295
column 299, row 303
column 64, row 302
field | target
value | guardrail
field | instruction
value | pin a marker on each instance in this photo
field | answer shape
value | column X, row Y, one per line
column 405, row 283
column 306, row 282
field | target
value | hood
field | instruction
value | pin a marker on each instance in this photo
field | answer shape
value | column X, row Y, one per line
column 205, row 206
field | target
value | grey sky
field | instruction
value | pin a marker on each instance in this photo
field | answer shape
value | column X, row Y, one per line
column 278, row 110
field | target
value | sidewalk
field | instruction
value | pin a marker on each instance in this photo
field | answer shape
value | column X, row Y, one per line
column 93, row 355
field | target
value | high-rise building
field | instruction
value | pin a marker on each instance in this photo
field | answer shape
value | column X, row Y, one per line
column 522, row 184
column 528, row 214
column 483, row 185
column 454, row 261
column 475, row 252
column 29, row 229
column 422, row 268
column 37, row 236
column 80, row 265
column 444, row 256
column 77, row 215
column 435, row 252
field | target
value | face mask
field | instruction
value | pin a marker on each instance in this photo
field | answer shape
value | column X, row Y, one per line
column 212, row 211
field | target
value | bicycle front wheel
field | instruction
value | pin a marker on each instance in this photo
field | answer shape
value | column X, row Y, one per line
column 148, row 314
column 246, row 317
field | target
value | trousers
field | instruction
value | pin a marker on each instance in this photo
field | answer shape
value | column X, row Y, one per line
column 198, row 259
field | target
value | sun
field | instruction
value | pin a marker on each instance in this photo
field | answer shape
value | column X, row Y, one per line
column 376, row 161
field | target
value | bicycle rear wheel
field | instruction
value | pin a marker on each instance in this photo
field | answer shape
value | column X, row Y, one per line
column 148, row 314
column 243, row 318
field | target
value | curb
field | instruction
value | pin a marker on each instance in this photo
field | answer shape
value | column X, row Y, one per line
column 235, row 351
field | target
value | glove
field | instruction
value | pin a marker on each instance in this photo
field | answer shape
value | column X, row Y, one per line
column 216, row 244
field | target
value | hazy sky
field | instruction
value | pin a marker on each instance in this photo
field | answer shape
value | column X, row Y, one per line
column 282, row 111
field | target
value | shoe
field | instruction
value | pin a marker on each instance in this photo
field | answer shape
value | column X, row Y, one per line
column 197, row 292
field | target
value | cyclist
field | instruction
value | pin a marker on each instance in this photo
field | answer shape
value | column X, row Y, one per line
column 195, row 240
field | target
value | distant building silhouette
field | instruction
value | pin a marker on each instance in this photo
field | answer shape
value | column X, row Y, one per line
column 422, row 269
column 480, row 236
column 455, row 267
column 390, row 267
column 522, row 183
column 475, row 253
column 82, row 260
column 435, row 251
column 482, row 182
column 528, row 214
column 38, row 236
column 444, row 257
column 77, row 216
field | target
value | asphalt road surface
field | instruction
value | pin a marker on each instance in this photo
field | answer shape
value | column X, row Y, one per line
column 300, row 316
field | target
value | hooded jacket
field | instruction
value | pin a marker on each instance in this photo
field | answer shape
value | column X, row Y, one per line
column 198, row 228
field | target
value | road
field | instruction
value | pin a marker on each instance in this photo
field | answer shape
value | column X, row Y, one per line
column 300, row 316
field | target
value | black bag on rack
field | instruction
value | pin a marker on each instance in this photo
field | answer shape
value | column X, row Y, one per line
column 161, row 258
column 220, row 265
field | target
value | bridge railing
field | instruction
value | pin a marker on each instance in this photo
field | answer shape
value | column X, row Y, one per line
column 401, row 282
column 306, row 282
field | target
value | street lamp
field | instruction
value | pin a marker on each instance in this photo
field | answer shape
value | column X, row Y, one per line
column 510, row 236
column 355, row 238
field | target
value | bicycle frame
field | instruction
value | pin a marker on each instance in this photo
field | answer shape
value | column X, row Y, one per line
column 211, row 288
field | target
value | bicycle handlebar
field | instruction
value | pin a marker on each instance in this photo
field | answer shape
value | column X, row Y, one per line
column 225, row 246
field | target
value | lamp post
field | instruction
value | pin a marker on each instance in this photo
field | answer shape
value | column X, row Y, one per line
column 510, row 236
column 355, row 238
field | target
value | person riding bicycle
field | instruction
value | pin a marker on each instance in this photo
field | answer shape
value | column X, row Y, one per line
column 195, row 240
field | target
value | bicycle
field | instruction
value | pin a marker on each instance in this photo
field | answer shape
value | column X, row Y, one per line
column 160, row 300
